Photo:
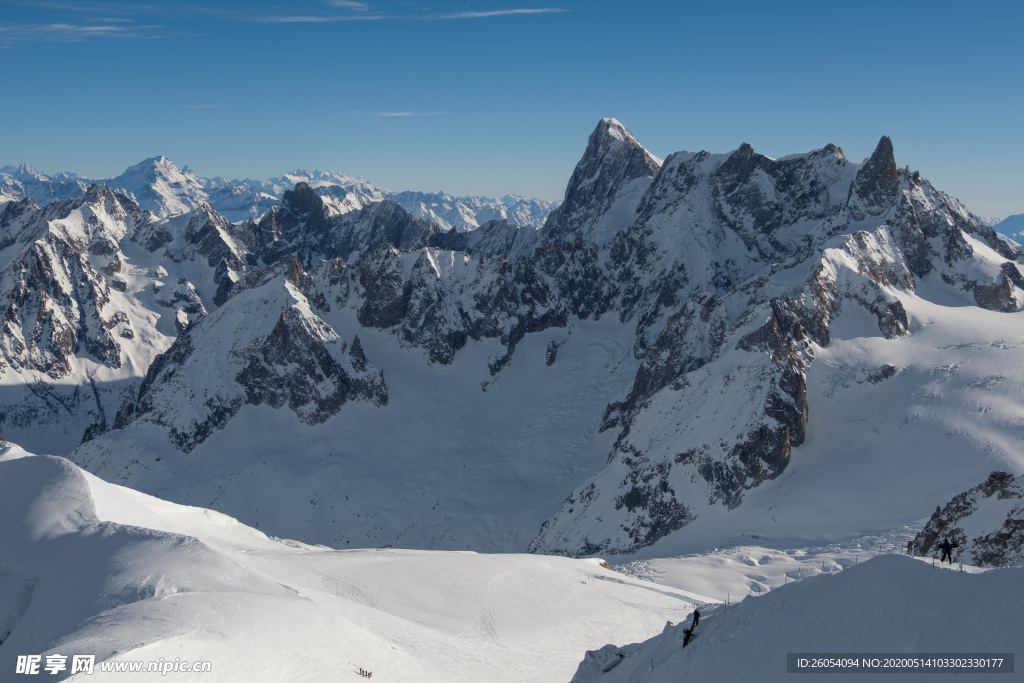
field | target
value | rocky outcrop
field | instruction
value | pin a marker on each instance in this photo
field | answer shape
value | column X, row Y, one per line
column 58, row 303
column 876, row 187
column 1006, row 295
column 438, row 300
column 984, row 524
column 304, row 227
column 231, row 359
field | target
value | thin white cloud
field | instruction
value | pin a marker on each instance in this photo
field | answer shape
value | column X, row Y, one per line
column 350, row 4
column 331, row 18
column 64, row 32
column 495, row 13
column 316, row 19
column 93, row 7
column 391, row 114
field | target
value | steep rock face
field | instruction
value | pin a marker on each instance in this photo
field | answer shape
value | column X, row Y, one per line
column 58, row 301
column 208, row 243
column 494, row 238
column 985, row 524
column 305, row 228
column 438, row 300
column 614, row 171
column 231, row 359
column 877, row 185
column 71, row 334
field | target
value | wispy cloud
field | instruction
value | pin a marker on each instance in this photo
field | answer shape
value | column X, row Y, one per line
column 395, row 114
column 317, row 19
column 388, row 114
column 349, row 4
column 365, row 14
column 494, row 13
column 66, row 33
column 79, row 20
column 92, row 7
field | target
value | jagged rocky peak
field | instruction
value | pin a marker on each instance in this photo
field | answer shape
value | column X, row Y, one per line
column 305, row 205
column 265, row 346
column 285, row 230
column 612, row 165
column 877, row 185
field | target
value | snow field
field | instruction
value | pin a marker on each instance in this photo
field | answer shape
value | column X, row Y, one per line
column 94, row 568
column 888, row 604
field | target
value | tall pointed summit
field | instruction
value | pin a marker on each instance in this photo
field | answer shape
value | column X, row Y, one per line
column 611, row 167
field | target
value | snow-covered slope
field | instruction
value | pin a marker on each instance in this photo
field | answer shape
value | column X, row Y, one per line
column 889, row 604
column 161, row 187
column 89, row 568
column 469, row 213
column 1012, row 227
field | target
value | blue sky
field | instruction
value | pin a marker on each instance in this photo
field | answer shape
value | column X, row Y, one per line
column 497, row 97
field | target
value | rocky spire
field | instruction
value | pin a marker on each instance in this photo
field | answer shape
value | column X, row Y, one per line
column 877, row 184
column 612, row 159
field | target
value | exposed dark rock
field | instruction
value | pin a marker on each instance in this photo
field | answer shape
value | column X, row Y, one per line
column 999, row 546
column 293, row 368
column 877, row 185
column 612, row 159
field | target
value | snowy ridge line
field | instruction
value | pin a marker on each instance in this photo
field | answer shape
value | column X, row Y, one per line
column 752, row 639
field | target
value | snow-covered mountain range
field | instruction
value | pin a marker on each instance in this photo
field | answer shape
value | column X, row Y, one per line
column 160, row 187
column 689, row 351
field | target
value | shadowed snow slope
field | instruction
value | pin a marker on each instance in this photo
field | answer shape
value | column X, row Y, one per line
column 93, row 568
column 890, row 604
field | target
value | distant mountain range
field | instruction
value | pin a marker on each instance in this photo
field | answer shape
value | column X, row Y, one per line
column 160, row 187
column 1012, row 227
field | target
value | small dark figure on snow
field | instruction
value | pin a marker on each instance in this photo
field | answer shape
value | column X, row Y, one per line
column 687, row 634
column 947, row 551
column 696, row 618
